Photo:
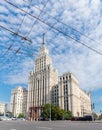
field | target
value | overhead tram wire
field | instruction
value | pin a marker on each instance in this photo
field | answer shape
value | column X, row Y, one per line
column 78, row 30
column 38, row 16
column 24, row 16
column 68, row 25
column 22, row 23
column 56, row 29
column 17, row 34
column 6, row 51
column 24, row 38
column 16, row 51
column 41, row 11
column 93, row 49
column 71, row 28
column 9, row 48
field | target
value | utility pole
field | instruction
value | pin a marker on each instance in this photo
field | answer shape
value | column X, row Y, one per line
column 49, row 93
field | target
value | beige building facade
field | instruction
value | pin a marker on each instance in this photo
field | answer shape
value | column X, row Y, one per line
column 18, row 103
column 69, row 96
column 44, row 86
column 40, row 83
column 3, row 108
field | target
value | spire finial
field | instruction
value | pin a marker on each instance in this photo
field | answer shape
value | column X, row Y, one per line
column 43, row 38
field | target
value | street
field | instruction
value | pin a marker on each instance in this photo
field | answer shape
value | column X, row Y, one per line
column 49, row 125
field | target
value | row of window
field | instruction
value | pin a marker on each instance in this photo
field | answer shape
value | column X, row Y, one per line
column 65, row 78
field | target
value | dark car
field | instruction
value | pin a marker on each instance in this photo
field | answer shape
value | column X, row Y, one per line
column 74, row 118
column 85, row 118
column 88, row 118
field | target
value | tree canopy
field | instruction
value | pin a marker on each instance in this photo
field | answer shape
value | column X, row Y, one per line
column 55, row 113
column 21, row 115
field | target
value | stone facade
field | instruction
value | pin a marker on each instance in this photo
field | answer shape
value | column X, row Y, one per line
column 18, row 103
column 69, row 96
column 44, row 86
column 40, row 83
column 3, row 108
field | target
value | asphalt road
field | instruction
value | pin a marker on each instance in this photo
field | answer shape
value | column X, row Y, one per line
column 49, row 125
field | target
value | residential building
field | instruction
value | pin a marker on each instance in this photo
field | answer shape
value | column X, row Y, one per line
column 44, row 86
column 69, row 96
column 18, row 102
column 3, row 108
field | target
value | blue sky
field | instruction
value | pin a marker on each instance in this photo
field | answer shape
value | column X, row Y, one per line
column 81, row 20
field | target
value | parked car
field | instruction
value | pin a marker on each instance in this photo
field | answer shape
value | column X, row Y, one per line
column 5, row 118
column 13, row 118
column 85, row 118
column 88, row 118
column 74, row 118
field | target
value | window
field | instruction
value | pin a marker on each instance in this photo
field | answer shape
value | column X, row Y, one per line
column 69, row 76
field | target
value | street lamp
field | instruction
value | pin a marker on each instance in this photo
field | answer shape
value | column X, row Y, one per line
column 50, row 106
column 100, row 114
column 49, row 91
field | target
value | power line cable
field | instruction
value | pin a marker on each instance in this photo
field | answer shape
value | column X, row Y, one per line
column 68, row 25
column 21, row 25
column 24, row 16
column 16, row 34
column 9, row 48
column 6, row 51
column 93, row 49
column 15, row 51
column 18, row 31
column 77, row 30
column 41, row 11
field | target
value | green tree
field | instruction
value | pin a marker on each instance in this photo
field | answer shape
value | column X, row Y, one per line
column 56, row 112
column 59, row 113
column 46, row 111
column 68, row 115
column 100, row 117
column 95, row 116
column 21, row 115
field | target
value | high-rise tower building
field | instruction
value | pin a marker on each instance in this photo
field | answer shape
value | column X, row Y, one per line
column 40, row 83
column 44, row 87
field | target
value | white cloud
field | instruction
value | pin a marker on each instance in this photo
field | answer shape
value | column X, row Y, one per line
column 68, row 55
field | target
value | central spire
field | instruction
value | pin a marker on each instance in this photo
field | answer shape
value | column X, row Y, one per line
column 43, row 39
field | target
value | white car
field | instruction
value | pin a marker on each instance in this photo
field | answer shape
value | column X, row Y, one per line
column 4, row 118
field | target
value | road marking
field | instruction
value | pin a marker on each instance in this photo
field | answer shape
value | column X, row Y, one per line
column 59, row 125
column 44, row 127
column 13, row 129
column 6, row 123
